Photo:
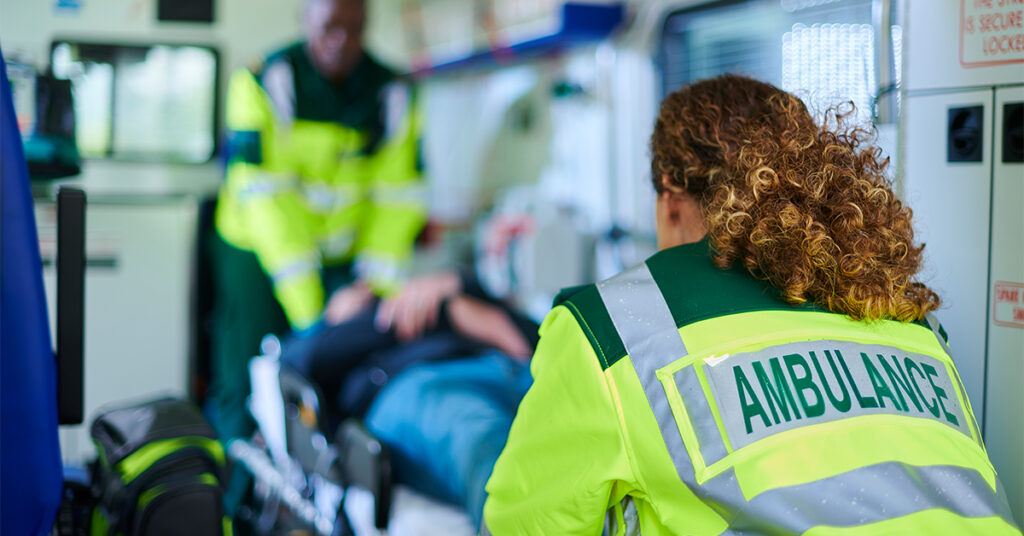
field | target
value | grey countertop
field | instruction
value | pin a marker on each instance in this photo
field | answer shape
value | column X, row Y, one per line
column 118, row 182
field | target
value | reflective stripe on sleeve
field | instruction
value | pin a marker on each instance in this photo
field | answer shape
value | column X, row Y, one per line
column 325, row 198
column 397, row 100
column 630, row 517
column 264, row 187
column 408, row 193
column 318, row 198
column 622, row 519
column 294, row 270
column 379, row 269
column 338, row 244
column 279, row 83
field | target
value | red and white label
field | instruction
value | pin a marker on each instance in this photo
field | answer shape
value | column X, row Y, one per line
column 1008, row 304
column 991, row 32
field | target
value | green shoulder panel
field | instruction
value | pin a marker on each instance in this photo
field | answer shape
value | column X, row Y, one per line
column 695, row 289
column 587, row 307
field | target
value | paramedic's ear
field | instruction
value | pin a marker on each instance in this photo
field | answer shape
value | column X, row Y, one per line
column 677, row 217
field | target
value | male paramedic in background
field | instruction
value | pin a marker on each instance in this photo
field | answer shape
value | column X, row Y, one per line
column 322, row 192
column 771, row 370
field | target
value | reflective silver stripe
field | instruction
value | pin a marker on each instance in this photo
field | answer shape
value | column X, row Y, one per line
column 648, row 331
column 484, row 531
column 630, row 517
column 705, row 427
column 934, row 324
column 411, row 193
column 279, row 83
column 318, row 197
column 610, row 522
column 865, row 495
column 397, row 98
column 338, row 243
column 626, row 508
column 264, row 187
column 328, row 198
column 295, row 269
column 377, row 268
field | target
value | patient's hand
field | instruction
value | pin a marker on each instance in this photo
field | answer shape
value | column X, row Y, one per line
column 489, row 324
column 414, row 310
column 346, row 302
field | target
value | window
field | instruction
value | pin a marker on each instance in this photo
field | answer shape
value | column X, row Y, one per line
column 141, row 102
column 820, row 50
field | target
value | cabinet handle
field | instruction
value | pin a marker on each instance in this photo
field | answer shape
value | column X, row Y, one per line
column 109, row 263
column 1013, row 132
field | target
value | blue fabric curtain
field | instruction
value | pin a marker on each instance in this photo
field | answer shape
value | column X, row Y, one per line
column 30, row 466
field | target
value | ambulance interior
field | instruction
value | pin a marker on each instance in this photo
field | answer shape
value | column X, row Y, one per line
column 537, row 116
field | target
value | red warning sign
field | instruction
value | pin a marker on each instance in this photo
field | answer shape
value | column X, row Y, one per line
column 991, row 32
column 1008, row 304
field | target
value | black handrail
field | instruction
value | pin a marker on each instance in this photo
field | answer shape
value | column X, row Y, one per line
column 70, row 303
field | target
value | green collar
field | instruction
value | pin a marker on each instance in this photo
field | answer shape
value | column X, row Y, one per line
column 695, row 289
column 356, row 103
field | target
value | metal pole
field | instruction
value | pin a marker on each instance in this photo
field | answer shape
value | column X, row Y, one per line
column 885, row 102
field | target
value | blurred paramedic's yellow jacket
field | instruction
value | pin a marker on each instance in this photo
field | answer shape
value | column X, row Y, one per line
column 320, row 176
column 682, row 399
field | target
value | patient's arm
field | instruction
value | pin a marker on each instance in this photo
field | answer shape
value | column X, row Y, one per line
column 414, row 310
column 489, row 324
column 346, row 303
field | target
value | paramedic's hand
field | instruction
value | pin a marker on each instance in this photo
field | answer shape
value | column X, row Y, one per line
column 486, row 323
column 414, row 310
column 346, row 302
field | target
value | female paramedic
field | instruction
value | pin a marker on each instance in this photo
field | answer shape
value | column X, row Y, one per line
column 771, row 370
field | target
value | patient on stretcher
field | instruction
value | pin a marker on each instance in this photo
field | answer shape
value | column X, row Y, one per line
column 436, row 372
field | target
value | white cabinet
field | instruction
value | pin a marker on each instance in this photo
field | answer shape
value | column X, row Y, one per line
column 1004, row 395
column 970, row 215
column 140, row 249
column 951, row 203
column 139, row 258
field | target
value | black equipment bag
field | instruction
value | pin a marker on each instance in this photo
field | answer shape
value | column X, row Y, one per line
column 160, row 472
column 52, row 151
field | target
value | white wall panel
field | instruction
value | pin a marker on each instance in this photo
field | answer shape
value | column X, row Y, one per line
column 933, row 56
column 1004, row 419
column 951, row 207
column 241, row 30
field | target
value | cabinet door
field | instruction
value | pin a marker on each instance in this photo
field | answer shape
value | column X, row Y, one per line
column 951, row 203
column 1004, row 402
column 139, row 259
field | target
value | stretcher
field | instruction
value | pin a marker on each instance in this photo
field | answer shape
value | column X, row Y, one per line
column 335, row 482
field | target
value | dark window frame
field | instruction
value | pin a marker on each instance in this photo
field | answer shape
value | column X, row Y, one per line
column 113, row 48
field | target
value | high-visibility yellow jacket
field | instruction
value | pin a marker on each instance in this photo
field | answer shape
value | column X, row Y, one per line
column 321, row 175
column 676, row 398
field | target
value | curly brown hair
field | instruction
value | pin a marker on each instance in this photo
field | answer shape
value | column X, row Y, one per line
column 806, row 207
